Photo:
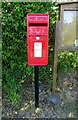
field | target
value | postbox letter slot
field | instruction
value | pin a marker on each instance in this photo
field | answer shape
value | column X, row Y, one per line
column 38, row 24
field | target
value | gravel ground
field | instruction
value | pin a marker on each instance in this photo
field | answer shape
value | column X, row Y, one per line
column 66, row 108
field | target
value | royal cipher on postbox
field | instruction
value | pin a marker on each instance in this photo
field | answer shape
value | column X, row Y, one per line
column 37, row 39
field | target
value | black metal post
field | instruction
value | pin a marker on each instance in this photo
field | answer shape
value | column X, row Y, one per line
column 36, row 71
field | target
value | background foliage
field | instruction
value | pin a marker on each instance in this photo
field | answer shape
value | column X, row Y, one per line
column 14, row 43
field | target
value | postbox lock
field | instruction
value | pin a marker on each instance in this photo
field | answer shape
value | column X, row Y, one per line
column 37, row 37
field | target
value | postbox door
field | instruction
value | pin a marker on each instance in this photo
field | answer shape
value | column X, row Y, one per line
column 38, row 51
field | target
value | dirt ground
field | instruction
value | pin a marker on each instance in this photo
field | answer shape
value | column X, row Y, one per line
column 66, row 91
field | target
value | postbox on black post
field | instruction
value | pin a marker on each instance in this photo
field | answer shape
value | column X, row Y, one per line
column 37, row 39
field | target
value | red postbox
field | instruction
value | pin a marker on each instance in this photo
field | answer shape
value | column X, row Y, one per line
column 37, row 39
